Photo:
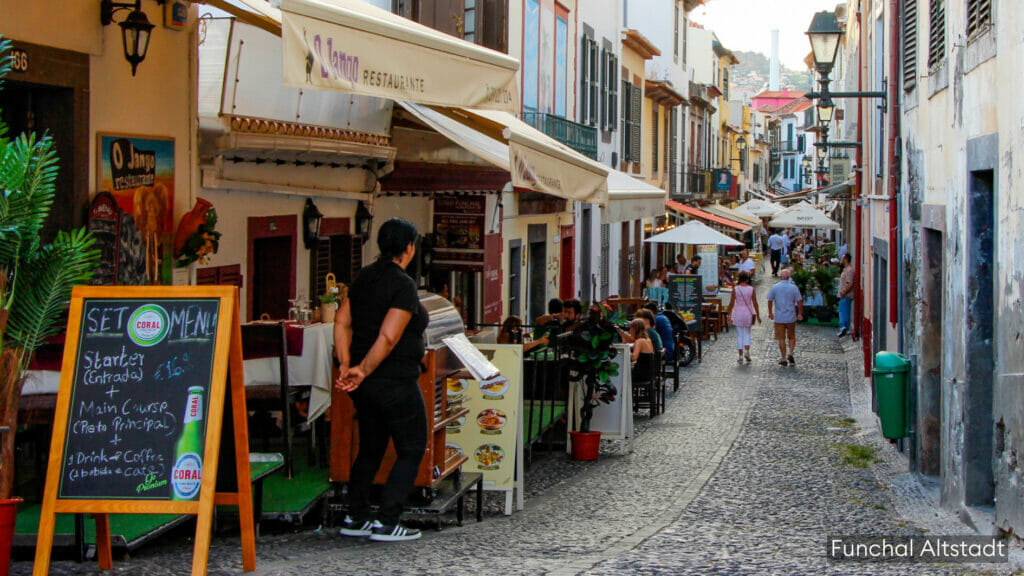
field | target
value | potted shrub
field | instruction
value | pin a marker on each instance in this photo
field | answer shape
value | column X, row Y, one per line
column 35, row 278
column 592, row 367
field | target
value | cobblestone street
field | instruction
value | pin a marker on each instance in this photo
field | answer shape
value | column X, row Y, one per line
column 743, row 474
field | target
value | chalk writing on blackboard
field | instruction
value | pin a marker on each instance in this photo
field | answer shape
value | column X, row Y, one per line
column 137, row 418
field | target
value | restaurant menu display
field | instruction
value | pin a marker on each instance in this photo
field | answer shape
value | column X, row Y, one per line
column 488, row 435
column 709, row 269
column 685, row 292
column 139, row 400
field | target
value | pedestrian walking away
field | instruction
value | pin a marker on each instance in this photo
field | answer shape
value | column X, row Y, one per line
column 743, row 311
column 776, row 245
column 379, row 334
column 785, row 308
column 845, row 295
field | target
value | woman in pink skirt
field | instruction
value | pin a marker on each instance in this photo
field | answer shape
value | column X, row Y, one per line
column 743, row 311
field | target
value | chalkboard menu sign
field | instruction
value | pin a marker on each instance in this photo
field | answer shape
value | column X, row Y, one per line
column 139, row 398
column 685, row 292
column 150, row 414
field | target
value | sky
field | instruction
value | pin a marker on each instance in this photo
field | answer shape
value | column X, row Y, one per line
column 747, row 24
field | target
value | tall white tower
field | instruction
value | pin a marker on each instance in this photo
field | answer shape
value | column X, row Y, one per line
column 774, row 75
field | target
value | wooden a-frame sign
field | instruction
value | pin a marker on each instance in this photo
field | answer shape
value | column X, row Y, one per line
column 140, row 365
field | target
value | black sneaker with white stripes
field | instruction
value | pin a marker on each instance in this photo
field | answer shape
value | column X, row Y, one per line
column 396, row 533
column 359, row 529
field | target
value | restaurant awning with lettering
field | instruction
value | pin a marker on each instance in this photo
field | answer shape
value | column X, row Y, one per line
column 352, row 46
column 535, row 161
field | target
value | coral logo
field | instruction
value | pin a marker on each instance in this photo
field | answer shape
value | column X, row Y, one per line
column 187, row 476
column 148, row 325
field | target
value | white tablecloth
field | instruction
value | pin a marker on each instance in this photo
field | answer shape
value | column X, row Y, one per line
column 312, row 368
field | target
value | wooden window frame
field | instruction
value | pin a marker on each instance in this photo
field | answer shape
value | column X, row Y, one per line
column 936, row 32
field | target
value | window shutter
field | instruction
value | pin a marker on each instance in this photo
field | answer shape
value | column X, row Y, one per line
column 979, row 16
column 909, row 44
column 585, row 74
column 673, row 153
column 936, row 32
column 594, row 85
column 604, row 113
column 655, row 118
column 605, row 264
column 626, row 156
column 635, row 111
column 612, row 90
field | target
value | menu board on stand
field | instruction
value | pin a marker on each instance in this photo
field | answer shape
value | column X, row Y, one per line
column 685, row 292
column 709, row 269
column 141, row 407
column 491, row 433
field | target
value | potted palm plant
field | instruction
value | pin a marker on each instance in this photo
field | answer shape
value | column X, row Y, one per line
column 592, row 366
column 35, row 277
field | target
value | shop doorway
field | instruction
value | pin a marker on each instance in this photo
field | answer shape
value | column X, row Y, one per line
column 881, row 296
column 272, row 245
column 980, row 357
column 625, row 253
column 929, row 397
column 515, row 277
column 586, row 254
column 567, row 270
column 47, row 110
column 536, row 272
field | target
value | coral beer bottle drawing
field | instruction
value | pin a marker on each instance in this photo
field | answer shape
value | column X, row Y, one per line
column 187, row 474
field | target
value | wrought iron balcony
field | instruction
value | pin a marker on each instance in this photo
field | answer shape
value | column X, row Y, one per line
column 788, row 146
column 579, row 137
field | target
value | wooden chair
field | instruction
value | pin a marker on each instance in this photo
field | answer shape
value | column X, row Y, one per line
column 645, row 394
column 264, row 340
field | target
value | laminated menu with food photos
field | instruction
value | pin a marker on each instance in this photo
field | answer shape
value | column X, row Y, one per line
column 488, row 434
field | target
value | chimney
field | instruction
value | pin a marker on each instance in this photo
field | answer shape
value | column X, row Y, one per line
column 774, row 76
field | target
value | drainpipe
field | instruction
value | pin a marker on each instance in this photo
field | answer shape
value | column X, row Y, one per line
column 894, row 178
column 858, row 292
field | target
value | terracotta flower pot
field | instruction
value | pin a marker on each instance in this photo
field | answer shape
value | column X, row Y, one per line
column 585, row 445
column 190, row 223
column 8, row 516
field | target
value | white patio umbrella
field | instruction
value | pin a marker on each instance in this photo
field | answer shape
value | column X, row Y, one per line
column 760, row 208
column 803, row 215
column 694, row 232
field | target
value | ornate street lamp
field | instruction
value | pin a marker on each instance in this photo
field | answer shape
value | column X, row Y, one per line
column 824, row 34
column 826, row 109
column 135, row 29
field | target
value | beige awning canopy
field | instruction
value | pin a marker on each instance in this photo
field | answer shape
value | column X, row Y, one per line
column 535, row 161
column 352, row 46
column 631, row 199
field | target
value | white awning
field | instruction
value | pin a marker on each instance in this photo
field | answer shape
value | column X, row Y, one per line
column 731, row 214
column 352, row 46
column 631, row 199
column 803, row 215
column 542, row 164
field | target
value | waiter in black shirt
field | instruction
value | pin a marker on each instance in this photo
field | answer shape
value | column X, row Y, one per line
column 378, row 335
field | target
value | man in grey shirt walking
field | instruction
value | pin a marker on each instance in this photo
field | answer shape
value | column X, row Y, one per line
column 786, row 308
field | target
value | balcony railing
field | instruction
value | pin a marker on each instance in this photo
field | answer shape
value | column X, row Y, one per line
column 579, row 137
column 698, row 182
column 788, row 146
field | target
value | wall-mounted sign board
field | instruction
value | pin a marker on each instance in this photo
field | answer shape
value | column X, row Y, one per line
column 144, row 397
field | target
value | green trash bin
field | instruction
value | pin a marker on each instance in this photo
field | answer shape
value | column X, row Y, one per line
column 890, row 377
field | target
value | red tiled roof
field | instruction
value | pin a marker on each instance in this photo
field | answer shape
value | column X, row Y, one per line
column 780, row 94
column 696, row 213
